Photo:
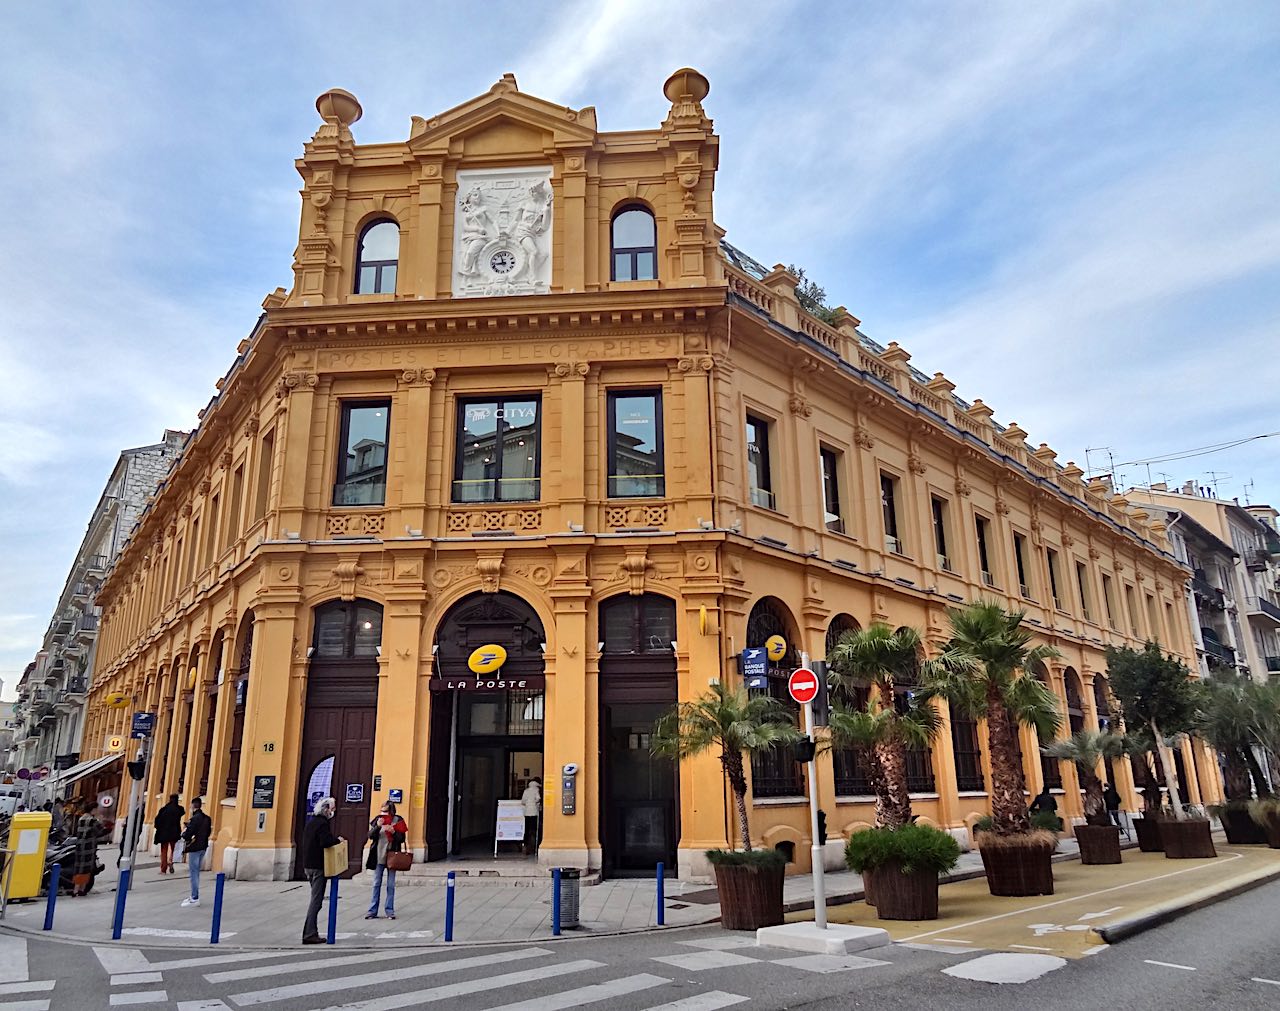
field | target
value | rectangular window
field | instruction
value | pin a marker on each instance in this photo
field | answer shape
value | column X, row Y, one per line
column 1082, row 581
column 362, row 459
column 237, row 497
column 211, row 531
column 983, row 527
column 758, row 471
column 1131, row 605
column 498, row 456
column 831, row 489
column 889, row 513
column 635, row 444
column 1168, row 621
column 193, row 549
column 1108, row 601
column 1153, row 617
column 1054, row 577
column 968, row 754
column 1020, row 557
column 266, row 460
column 939, row 507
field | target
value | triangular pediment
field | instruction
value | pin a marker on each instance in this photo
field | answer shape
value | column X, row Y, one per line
column 505, row 111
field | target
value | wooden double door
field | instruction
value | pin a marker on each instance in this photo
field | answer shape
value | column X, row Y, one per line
column 337, row 753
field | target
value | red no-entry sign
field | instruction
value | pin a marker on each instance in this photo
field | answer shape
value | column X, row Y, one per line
column 803, row 685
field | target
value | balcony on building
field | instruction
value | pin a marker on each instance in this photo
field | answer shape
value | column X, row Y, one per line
column 1264, row 610
column 86, row 627
column 81, row 592
column 1273, row 664
column 1206, row 592
column 1215, row 652
column 1257, row 559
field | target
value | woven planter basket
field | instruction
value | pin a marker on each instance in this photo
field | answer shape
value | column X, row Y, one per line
column 750, row 897
column 1099, row 844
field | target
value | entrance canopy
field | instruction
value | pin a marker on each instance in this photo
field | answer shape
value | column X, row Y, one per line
column 85, row 769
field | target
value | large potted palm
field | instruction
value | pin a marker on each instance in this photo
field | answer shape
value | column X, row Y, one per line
column 985, row 671
column 1098, row 838
column 1156, row 692
column 1225, row 719
column 731, row 722
column 1264, row 702
column 897, row 877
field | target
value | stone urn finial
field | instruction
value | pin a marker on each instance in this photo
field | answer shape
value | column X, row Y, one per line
column 338, row 108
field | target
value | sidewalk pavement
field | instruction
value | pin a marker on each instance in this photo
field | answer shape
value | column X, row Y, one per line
column 1090, row 907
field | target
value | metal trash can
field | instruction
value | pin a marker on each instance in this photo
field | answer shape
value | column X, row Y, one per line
column 569, row 885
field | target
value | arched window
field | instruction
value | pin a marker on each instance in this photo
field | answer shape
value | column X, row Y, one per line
column 635, row 245
column 348, row 630
column 775, row 773
column 377, row 254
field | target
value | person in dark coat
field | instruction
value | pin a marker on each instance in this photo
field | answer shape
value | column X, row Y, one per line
column 88, row 834
column 168, row 825
column 1111, row 800
column 316, row 838
column 196, row 836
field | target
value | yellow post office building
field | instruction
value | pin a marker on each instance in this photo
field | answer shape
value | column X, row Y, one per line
column 527, row 453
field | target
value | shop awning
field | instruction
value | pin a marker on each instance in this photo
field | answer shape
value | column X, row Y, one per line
column 84, row 769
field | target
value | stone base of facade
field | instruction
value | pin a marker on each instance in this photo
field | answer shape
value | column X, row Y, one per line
column 567, row 858
column 961, row 835
column 258, row 864
column 833, row 855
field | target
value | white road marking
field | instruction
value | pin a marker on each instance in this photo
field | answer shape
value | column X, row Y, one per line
column 445, row 992
column 257, row 972
column 586, row 994
column 828, row 963
column 1006, row 967
column 1105, row 912
column 36, row 986
column 709, row 1001
column 121, row 960
column 946, row 949
column 26, row 1005
column 1273, row 982
column 1170, row 965
column 953, row 940
column 180, row 934
column 203, row 1005
column 389, row 976
column 244, row 956
column 721, row 943
column 13, row 959
column 130, row 978
column 139, row 997
column 1229, row 857
column 700, row 961
column 1029, row 947
column 1096, row 948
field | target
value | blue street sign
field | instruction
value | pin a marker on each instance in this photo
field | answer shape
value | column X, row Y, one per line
column 395, row 796
column 144, row 725
column 755, row 662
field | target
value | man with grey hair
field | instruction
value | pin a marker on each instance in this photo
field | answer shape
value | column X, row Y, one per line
column 316, row 838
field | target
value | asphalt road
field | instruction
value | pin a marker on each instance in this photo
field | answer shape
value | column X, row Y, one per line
column 1214, row 957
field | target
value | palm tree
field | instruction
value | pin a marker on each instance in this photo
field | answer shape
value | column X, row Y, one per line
column 1263, row 699
column 727, row 718
column 1087, row 748
column 1226, row 718
column 883, row 658
column 985, row 671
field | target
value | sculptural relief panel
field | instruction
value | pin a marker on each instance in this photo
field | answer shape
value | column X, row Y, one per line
column 502, row 235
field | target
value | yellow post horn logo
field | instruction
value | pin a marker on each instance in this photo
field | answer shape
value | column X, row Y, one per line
column 117, row 700
column 775, row 647
column 487, row 659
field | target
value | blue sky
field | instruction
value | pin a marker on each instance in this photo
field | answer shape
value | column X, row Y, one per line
column 1072, row 209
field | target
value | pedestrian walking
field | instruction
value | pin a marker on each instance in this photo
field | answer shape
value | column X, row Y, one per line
column 316, row 838
column 387, row 834
column 531, row 801
column 1111, row 800
column 89, row 833
column 196, row 837
column 168, row 826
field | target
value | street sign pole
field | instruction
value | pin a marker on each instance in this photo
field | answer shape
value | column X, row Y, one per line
column 815, row 851
column 132, row 824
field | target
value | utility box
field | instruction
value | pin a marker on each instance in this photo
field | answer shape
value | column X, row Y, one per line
column 28, row 838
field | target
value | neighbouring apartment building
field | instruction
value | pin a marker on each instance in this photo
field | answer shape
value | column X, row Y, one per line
column 528, row 453
column 1234, row 554
column 55, row 687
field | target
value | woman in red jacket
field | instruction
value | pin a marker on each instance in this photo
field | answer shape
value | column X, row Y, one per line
column 386, row 837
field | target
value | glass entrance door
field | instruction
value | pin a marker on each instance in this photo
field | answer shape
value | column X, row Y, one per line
column 641, row 791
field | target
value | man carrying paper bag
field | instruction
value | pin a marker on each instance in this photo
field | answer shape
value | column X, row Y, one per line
column 324, row 856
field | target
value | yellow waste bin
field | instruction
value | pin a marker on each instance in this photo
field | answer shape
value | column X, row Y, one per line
column 28, row 837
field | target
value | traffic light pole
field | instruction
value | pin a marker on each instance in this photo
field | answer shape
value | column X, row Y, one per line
column 815, row 851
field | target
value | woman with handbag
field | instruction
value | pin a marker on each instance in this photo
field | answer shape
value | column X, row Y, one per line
column 387, row 834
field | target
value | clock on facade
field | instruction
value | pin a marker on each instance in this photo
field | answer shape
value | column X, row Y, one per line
column 502, row 262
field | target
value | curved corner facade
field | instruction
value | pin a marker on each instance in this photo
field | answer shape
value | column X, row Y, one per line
column 550, row 410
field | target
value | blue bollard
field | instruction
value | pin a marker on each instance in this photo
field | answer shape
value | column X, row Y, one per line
column 55, row 879
column 450, row 886
column 332, row 937
column 122, row 892
column 218, row 885
column 662, row 905
column 555, row 902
